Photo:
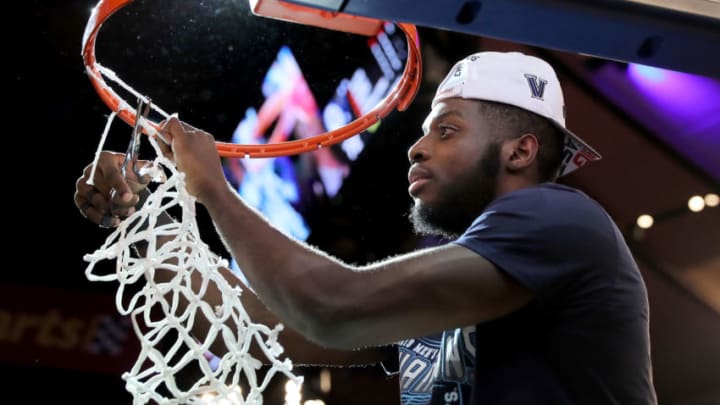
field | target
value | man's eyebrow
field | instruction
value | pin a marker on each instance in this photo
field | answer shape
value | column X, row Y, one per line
column 442, row 115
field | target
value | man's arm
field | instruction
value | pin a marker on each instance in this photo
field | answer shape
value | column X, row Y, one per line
column 298, row 348
column 113, row 197
column 330, row 302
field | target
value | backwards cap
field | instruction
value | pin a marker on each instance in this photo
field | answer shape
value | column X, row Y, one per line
column 520, row 80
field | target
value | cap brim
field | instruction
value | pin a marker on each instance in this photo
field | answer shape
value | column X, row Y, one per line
column 576, row 152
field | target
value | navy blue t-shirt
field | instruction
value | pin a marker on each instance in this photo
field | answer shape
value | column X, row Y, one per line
column 583, row 339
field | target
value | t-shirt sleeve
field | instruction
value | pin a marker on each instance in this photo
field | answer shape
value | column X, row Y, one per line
column 542, row 237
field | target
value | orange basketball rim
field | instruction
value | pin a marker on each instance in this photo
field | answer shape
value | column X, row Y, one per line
column 399, row 97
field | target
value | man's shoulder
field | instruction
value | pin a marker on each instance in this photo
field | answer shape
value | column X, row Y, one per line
column 541, row 196
column 546, row 206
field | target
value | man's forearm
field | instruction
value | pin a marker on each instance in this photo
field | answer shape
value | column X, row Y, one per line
column 297, row 347
column 293, row 279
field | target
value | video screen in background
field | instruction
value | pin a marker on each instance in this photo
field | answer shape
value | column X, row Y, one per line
column 284, row 188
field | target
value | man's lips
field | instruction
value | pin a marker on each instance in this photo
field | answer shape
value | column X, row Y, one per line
column 417, row 177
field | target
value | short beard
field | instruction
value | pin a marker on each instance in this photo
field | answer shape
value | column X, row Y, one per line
column 462, row 201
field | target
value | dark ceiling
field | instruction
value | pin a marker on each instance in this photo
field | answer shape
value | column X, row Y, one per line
column 642, row 170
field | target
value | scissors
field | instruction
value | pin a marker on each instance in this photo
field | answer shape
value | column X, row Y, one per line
column 131, row 156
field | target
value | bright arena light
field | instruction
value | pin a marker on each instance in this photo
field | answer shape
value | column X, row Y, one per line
column 696, row 203
column 712, row 200
column 314, row 402
column 645, row 221
column 325, row 381
column 293, row 394
column 234, row 397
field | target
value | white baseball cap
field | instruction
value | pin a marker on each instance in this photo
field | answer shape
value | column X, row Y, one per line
column 520, row 80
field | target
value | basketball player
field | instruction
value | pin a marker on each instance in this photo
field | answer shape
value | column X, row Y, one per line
column 537, row 299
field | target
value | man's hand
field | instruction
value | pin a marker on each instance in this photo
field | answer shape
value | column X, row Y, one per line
column 112, row 197
column 194, row 151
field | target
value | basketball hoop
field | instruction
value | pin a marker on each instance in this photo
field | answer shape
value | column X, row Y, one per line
column 399, row 97
column 153, row 376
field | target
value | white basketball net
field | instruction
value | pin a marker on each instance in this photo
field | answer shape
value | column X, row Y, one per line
column 156, row 314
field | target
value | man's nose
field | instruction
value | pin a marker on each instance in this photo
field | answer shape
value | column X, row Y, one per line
column 419, row 151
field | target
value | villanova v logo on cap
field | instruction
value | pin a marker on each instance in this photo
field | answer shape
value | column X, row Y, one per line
column 537, row 86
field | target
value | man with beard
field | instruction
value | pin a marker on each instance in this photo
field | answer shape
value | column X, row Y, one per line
column 536, row 300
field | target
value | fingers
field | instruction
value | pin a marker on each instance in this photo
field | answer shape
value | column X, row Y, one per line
column 167, row 129
column 110, row 198
column 182, row 137
column 194, row 153
column 173, row 127
column 94, row 206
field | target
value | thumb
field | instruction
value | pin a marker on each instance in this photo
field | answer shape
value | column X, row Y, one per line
column 167, row 129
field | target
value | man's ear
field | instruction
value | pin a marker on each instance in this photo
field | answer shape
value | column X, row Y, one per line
column 521, row 152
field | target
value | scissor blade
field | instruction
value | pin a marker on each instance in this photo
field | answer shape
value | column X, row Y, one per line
column 131, row 156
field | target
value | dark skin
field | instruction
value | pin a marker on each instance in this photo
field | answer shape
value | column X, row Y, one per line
column 335, row 304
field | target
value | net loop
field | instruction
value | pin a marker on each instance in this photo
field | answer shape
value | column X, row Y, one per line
column 155, row 308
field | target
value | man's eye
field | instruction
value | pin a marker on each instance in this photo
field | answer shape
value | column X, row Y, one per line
column 445, row 131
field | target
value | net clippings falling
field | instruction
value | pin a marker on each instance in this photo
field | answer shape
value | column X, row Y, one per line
column 164, row 311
